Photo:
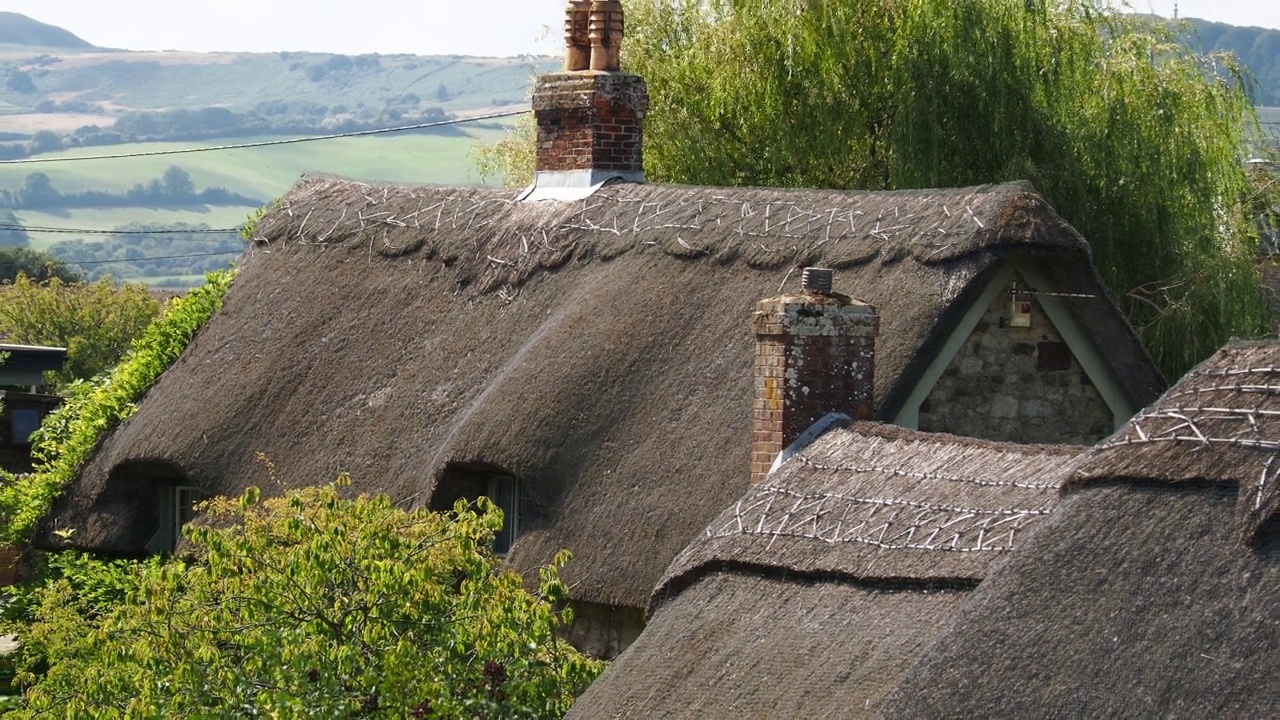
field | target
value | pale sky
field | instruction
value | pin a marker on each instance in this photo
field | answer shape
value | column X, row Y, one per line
column 423, row 27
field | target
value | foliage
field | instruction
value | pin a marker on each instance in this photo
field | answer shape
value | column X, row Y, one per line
column 95, row 322
column 98, row 585
column 69, row 434
column 1258, row 49
column 12, row 234
column 1264, row 198
column 37, row 265
column 312, row 605
column 510, row 161
column 1135, row 140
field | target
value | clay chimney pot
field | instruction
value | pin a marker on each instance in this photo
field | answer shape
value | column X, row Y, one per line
column 577, row 39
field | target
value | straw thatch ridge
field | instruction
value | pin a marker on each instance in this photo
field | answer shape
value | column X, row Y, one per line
column 600, row 351
column 497, row 243
column 1220, row 424
column 815, row 592
column 883, row 506
column 1136, row 597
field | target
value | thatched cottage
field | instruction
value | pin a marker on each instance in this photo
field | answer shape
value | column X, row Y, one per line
column 814, row 593
column 584, row 351
column 881, row 572
column 1153, row 589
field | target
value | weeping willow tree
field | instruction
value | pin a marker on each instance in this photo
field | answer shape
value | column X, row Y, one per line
column 1134, row 139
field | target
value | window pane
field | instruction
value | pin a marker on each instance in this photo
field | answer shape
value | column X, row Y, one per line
column 503, row 494
column 25, row 422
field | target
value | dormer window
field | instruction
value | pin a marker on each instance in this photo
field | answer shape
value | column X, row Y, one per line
column 177, row 508
column 153, row 499
column 470, row 481
column 506, row 491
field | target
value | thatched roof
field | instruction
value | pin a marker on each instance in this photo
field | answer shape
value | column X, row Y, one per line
column 1152, row 589
column 600, row 350
column 812, row 594
column 1219, row 425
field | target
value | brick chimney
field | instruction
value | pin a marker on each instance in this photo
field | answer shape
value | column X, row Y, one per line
column 589, row 115
column 815, row 354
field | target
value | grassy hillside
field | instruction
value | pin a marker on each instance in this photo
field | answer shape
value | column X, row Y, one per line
column 261, row 172
column 111, row 82
column 19, row 29
column 266, row 172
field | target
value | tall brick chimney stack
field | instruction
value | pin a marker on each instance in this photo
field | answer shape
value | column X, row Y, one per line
column 589, row 116
column 815, row 354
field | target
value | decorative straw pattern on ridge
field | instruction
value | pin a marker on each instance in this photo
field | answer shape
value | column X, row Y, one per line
column 766, row 228
column 883, row 505
column 1220, row 424
column 889, row 523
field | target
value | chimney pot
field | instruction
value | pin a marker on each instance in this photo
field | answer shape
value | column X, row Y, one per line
column 606, row 35
column 577, row 39
column 816, row 280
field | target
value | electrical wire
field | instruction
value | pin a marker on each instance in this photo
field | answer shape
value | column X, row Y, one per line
column 148, row 259
column 267, row 143
column 88, row 231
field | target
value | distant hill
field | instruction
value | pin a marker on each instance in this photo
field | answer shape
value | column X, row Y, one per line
column 16, row 29
column 1257, row 48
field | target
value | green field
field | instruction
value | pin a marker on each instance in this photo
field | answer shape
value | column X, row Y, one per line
column 256, row 172
column 107, row 219
column 266, row 172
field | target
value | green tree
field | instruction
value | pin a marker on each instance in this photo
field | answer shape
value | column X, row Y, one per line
column 12, row 234
column 68, row 435
column 45, row 141
column 1136, row 141
column 94, row 322
column 20, row 82
column 309, row 605
column 177, row 184
column 38, row 191
column 36, row 265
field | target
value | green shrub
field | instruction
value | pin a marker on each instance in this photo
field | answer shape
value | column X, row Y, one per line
column 309, row 605
column 68, row 436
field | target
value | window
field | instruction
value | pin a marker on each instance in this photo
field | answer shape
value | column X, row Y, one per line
column 506, row 492
column 470, row 481
column 25, row 422
column 177, row 508
column 185, row 498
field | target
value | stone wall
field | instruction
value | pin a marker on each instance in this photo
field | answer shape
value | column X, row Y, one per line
column 603, row 631
column 1016, row 384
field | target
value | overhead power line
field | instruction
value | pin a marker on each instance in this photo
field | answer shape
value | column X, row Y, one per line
column 268, row 143
column 88, row 231
column 147, row 259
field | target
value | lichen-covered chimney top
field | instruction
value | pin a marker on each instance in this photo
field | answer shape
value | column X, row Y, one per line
column 815, row 354
column 588, row 116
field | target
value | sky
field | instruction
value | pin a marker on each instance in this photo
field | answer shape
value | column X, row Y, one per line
column 422, row 27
